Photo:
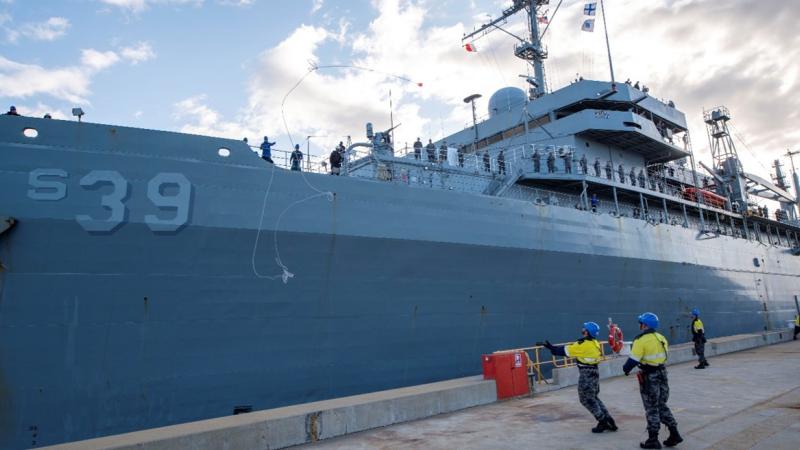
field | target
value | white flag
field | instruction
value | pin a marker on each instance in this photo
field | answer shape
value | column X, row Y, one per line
column 590, row 9
column 588, row 25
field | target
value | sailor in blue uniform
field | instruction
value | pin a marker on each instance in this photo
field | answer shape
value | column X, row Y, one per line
column 296, row 158
column 266, row 149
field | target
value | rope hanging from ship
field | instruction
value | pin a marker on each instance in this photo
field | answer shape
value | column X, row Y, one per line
column 286, row 274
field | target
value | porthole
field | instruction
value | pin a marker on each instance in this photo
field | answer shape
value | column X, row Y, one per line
column 224, row 152
column 30, row 133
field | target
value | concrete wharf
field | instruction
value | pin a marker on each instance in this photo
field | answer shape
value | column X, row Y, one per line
column 748, row 399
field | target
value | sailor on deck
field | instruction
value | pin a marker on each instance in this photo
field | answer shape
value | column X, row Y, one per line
column 487, row 163
column 417, row 149
column 296, row 158
column 12, row 111
column 537, row 160
column 586, row 352
column 621, row 172
column 431, row 150
column 699, row 339
column 551, row 162
column 443, row 153
column 597, row 168
column 461, row 150
column 649, row 352
column 266, row 149
column 336, row 162
column 584, row 165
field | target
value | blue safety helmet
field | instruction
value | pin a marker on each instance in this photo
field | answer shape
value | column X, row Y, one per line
column 696, row 312
column 649, row 319
column 591, row 328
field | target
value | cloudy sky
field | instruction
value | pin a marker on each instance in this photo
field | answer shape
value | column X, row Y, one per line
column 223, row 67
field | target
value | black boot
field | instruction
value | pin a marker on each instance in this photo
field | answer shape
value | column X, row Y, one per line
column 601, row 426
column 610, row 424
column 700, row 366
column 705, row 363
column 674, row 438
column 652, row 441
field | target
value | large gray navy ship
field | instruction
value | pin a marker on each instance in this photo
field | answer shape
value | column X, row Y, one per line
column 150, row 278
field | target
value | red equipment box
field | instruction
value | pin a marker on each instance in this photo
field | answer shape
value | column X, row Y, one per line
column 509, row 372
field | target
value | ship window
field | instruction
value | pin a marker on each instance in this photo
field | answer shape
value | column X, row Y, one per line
column 539, row 121
column 632, row 124
column 224, row 152
column 30, row 133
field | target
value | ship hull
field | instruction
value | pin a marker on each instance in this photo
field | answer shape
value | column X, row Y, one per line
column 284, row 288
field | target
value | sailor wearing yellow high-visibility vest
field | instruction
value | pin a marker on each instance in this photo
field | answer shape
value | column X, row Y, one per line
column 649, row 352
column 699, row 339
column 586, row 352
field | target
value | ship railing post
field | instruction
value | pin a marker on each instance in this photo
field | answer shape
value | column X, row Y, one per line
column 685, row 216
column 745, row 227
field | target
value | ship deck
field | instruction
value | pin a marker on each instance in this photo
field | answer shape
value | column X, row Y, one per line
column 745, row 400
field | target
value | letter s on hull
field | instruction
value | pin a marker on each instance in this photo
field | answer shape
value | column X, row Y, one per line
column 47, row 190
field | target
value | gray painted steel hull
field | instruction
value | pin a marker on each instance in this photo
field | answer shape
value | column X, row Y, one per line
column 103, row 333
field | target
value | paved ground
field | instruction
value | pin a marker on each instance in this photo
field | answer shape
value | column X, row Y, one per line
column 745, row 400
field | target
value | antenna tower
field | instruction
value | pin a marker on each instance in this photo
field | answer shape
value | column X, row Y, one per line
column 529, row 49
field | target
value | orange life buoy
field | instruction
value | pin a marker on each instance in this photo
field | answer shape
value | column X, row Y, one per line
column 615, row 338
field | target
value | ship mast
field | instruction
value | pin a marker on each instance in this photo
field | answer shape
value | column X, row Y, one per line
column 529, row 49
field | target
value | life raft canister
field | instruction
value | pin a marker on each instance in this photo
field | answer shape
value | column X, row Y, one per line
column 615, row 338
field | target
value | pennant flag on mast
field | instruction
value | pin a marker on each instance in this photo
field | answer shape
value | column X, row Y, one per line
column 470, row 47
column 588, row 25
column 590, row 9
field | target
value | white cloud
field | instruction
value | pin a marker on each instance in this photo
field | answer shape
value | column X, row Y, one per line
column 49, row 30
column 138, row 53
column 204, row 120
column 136, row 6
column 19, row 80
column 70, row 83
column 236, row 2
column 317, row 5
column 97, row 60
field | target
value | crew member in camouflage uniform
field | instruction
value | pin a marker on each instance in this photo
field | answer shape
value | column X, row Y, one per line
column 699, row 339
column 649, row 352
column 586, row 352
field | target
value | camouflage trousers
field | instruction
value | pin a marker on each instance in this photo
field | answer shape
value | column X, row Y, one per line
column 588, row 388
column 700, row 350
column 654, row 387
